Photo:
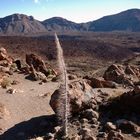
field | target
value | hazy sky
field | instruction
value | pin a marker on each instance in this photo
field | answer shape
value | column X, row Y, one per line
column 74, row 10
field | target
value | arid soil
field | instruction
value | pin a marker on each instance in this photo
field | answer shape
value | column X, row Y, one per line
column 31, row 99
column 96, row 87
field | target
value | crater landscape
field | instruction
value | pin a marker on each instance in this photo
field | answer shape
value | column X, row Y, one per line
column 94, row 97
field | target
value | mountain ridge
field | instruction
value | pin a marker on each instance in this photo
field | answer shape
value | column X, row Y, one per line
column 128, row 20
column 20, row 23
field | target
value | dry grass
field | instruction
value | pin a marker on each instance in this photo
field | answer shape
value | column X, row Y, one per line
column 5, row 83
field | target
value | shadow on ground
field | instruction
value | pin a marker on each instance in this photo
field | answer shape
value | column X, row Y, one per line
column 34, row 127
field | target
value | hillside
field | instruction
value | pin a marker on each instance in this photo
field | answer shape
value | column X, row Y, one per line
column 61, row 24
column 20, row 24
column 125, row 21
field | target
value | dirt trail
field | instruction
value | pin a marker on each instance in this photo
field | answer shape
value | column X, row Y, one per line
column 28, row 102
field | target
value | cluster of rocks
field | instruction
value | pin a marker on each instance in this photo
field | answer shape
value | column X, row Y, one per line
column 90, row 111
column 116, row 75
column 6, row 67
column 92, row 115
column 121, row 74
column 37, row 68
column 100, row 82
column 84, row 103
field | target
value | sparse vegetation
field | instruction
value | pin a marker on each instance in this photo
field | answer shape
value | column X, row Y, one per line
column 5, row 83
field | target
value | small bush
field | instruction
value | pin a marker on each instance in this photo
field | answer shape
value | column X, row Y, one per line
column 13, row 67
column 5, row 83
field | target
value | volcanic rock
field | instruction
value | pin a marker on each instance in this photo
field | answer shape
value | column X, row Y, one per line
column 3, row 54
column 127, row 126
column 122, row 74
column 5, row 59
column 77, row 137
column 80, row 94
column 137, row 89
column 100, row 83
column 72, row 77
column 110, row 126
column 11, row 91
column 19, row 24
column 37, row 63
column 113, row 135
column 90, row 114
column 86, row 134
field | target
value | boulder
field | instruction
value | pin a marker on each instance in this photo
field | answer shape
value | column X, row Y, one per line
column 132, row 70
column 90, row 114
column 4, row 69
column 94, row 121
column 137, row 89
column 80, row 95
column 113, row 135
column 77, row 137
column 122, row 74
column 4, row 56
column 34, row 75
column 129, row 70
column 83, row 121
column 72, row 77
column 110, row 126
column 127, row 126
column 39, row 65
column 100, row 83
column 86, row 134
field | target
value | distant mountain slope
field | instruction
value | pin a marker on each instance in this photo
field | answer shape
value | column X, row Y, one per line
column 61, row 24
column 20, row 24
column 125, row 21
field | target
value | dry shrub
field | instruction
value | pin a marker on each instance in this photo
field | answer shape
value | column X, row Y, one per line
column 5, row 83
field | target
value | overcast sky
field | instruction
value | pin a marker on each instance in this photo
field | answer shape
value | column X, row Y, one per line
column 74, row 10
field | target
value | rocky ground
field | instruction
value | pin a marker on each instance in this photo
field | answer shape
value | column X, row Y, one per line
column 102, row 108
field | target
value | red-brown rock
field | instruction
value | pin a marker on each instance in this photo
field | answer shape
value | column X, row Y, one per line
column 101, row 83
column 79, row 94
column 122, row 74
column 36, row 62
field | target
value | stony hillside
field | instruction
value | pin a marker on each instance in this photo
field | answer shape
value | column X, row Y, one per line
column 20, row 24
column 61, row 24
column 125, row 21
